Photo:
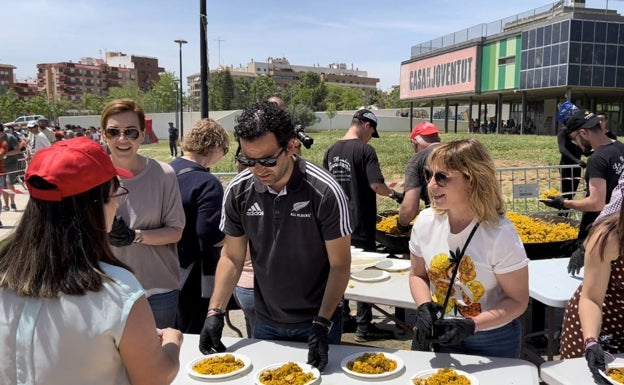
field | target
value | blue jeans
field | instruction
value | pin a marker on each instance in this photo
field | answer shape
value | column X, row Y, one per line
column 505, row 341
column 164, row 307
column 264, row 331
column 244, row 297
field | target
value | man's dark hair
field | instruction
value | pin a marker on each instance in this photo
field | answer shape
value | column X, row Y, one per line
column 263, row 117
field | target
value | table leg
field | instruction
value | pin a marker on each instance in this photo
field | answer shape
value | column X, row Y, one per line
column 398, row 321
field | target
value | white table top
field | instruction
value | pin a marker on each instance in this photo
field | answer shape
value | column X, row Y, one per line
column 489, row 371
column 569, row 372
column 550, row 283
column 392, row 292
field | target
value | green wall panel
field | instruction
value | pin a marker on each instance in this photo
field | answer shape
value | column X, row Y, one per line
column 495, row 77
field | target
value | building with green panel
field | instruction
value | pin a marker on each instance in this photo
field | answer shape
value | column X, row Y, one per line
column 519, row 68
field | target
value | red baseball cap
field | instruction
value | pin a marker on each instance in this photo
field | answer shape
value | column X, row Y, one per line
column 424, row 128
column 73, row 166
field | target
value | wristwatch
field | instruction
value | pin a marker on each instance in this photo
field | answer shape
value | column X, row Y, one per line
column 139, row 238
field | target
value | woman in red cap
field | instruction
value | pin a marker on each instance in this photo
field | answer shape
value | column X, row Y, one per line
column 72, row 312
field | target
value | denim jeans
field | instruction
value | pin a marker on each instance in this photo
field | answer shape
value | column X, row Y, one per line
column 264, row 331
column 244, row 297
column 164, row 307
column 505, row 341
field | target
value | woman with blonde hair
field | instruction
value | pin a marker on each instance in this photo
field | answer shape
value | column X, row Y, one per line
column 469, row 271
column 202, row 195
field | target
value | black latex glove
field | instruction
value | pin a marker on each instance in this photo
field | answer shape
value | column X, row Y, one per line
column 454, row 330
column 577, row 260
column 210, row 336
column 397, row 196
column 318, row 346
column 596, row 361
column 421, row 342
column 121, row 234
column 401, row 228
column 556, row 202
column 426, row 314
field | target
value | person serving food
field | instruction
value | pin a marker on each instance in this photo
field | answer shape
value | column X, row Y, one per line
column 294, row 218
column 469, row 272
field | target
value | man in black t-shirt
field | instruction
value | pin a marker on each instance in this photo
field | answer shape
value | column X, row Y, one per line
column 293, row 217
column 603, row 170
column 354, row 164
column 173, row 140
column 424, row 137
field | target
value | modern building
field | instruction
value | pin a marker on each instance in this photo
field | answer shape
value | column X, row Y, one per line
column 527, row 63
column 286, row 74
column 26, row 90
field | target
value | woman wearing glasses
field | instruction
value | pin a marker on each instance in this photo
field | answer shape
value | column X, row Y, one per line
column 469, row 271
column 202, row 196
column 72, row 312
column 148, row 226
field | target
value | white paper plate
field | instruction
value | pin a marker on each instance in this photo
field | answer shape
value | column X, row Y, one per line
column 246, row 361
column 430, row 372
column 305, row 367
column 393, row 264
column 611, row 380
column 352, row 357
column 372, row 275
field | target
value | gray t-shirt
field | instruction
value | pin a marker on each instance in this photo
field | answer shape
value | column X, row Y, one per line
column 153, row 202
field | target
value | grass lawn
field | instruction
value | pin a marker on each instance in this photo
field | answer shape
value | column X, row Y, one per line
column 394, row 149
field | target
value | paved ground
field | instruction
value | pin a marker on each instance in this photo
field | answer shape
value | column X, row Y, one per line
column 10, row 218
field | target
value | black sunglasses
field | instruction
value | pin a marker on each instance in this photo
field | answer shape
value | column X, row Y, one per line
column 441, row 179
column 129, row 133
column 266, row 162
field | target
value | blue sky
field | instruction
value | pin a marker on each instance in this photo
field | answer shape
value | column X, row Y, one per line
column 370, row 35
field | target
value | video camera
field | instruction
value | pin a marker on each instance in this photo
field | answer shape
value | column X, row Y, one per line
column 303, row 137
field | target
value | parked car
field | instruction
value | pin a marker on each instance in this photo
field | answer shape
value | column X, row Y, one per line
column 22, row 121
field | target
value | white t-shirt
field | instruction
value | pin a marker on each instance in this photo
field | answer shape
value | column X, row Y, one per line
column 70, row 340
column 492, row 250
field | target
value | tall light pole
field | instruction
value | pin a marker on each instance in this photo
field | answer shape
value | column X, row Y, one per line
column 180, row 42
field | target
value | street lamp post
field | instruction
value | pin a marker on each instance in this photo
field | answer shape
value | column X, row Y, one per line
column 180, row 42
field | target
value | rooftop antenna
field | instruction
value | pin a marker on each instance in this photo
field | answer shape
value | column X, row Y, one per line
column 219, row 40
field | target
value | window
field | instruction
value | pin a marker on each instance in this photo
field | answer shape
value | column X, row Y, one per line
column 506, row 60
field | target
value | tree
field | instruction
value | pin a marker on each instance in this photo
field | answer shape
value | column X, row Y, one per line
column 331, row 113
column 128, row 91
column 351, row 98
column 10, row 106
column 242, row 93
column 163, row 94
column 394, row 101
column 310, row 91
column 92, row 104
column 40, row 106
column 221, row 90
column 263, row 88
column 301, row 114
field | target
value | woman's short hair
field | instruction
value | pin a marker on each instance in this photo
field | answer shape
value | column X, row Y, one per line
column 471, row 158
column 118, row 106
column 206, row 136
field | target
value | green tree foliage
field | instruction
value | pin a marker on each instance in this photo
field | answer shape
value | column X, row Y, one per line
column 221, row 91
column 393, row 99
column 163, row 94
column 331, row 112
column 263, row 88
column 301, row 114
column 310, row 91
column 92, row 104
column 128, row 91
column 39, row 106
column 351, row 99
column 10, row 106
column 242, row 93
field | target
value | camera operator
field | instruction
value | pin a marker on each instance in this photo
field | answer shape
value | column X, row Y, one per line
column 299, row 129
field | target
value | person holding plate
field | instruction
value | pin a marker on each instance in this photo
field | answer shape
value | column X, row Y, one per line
column 73, row 313
column 469, row 272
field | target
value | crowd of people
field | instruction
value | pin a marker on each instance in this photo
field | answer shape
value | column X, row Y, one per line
column 164, row 248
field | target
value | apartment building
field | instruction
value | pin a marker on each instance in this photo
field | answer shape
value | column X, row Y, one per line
column 6, row 75
column 146, row 68
column 286, row 74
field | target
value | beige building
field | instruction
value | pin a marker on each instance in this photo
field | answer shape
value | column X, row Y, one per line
column 285, row 74
column 6, row 75
column 146, row 68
